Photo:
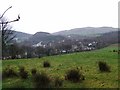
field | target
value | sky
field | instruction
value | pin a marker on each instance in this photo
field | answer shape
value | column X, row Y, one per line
column 56, row 15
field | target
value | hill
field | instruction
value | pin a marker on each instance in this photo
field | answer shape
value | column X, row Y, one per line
column 106, row 38
column 101, row 33
column 43, row 37
column 21, row 36
column 87, row 31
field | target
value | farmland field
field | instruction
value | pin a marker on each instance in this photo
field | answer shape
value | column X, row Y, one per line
column 60, row 64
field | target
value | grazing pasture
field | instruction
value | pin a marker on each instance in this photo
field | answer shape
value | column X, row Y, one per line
column 86, row 62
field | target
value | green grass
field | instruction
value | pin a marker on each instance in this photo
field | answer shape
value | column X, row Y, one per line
column 61, row 63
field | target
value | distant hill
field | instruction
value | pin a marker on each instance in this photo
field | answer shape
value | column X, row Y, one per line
column 43, row 37
column 73, row 34
column 87, row 31
column 20, row 36
column 109, row 38
column 105, row 39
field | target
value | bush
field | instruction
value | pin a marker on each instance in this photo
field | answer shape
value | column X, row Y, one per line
column 74, row 75
column 41, row 80
column 58, row 82
column 23, row 73
column 46, row 64
column 103, row 66
column 8, row 72
column 33, row 71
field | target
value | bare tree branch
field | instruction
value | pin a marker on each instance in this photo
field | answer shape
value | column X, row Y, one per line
column 5, row 12
column 11, row 21
column 18, row 18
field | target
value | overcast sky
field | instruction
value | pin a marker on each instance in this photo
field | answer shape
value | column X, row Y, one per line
column 56, row 15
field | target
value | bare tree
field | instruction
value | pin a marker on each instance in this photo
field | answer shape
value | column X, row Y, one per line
column 5, row 31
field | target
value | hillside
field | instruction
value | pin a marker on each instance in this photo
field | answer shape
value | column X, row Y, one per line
column 87, row 31
column 99, row 34
column 21, row 36
column 106, row 38
column 60, row 64
column 43, row 37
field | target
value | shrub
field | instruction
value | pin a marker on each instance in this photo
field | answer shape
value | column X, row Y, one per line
column 46, row 64
column 8, row 72
column 41, row 80
column 33, row 71
column 103, row 66
column 58, row 82
column 74, row 75
column 114, row 51
column 23, row 73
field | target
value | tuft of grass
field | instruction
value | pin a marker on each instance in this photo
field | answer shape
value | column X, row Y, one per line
column 103, row 66
column 23, row 73
column 74, row 75
column 18, row 86
column 8, row 72
column 46, row 64
column 58, row 82
column 33, row 71
column 41, row 80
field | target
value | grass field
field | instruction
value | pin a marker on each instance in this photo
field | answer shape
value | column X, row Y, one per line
column 61, row 63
